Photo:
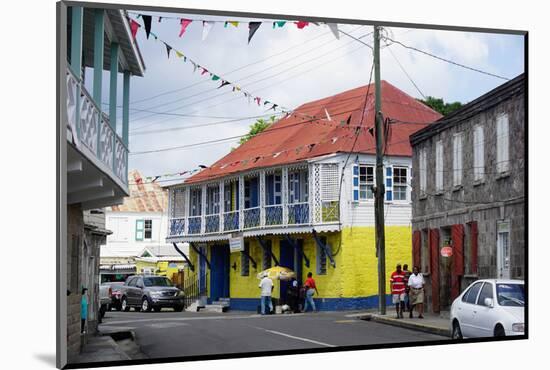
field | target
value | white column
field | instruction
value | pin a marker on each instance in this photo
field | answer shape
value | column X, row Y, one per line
column 186, row 205
column 262, row 198
column 203, row 208
column 222, row 203
column 241, row 202
column 284, row 180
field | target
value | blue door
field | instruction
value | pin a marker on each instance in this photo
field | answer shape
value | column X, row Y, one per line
column 202, row 271
column 219, row 274
column 291, row 258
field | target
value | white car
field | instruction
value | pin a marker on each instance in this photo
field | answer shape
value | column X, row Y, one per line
column 488, row 308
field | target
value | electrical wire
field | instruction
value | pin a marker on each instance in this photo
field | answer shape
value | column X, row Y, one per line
column 404, row 71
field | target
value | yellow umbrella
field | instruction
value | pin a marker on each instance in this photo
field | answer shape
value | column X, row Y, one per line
column 277, row 273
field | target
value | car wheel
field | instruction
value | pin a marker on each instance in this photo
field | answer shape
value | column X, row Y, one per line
column 145, row 305
column 457, row 333
column 178, row 308
column 124, row 305
column 499, row 331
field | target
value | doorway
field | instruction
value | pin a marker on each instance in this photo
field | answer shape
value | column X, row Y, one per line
column 219, row 273
column 503, row 250
column 292, row 258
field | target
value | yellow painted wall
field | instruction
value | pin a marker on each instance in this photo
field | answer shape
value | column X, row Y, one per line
column 156, row 266
column 356, row 272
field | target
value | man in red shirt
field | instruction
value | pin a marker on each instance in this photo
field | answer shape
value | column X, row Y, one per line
column 397, row 284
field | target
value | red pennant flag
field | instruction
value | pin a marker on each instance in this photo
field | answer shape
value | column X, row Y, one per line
column 204, row 71
column 257, row 99
column 301, row 24
column 134, row 26
column 184, row 23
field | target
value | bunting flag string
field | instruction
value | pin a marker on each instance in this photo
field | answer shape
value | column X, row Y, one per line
column 208, row 24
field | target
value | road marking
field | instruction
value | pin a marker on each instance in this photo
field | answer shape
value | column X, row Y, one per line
column 255, row 316
column 344, row 321
column 166, row 325
column 299, row 338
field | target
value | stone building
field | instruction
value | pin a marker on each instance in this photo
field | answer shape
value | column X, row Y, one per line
column 468, row 181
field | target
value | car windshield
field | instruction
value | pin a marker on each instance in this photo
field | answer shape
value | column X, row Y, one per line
column 511, row 295
column 156, row 281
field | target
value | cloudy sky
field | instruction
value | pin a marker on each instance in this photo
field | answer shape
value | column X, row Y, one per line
column 289, row 67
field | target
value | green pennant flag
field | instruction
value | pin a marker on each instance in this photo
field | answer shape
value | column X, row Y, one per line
column 278, row 24
column 215, row 78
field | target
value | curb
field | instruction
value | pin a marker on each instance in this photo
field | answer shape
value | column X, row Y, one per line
column 406, row 324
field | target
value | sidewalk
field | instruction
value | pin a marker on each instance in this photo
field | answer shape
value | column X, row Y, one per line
column 431, row 323
column 102, row 347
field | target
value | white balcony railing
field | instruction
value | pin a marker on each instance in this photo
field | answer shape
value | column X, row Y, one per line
column 90, row 128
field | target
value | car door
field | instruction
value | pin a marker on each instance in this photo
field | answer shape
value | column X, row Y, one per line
column 131, row 294
column 484, row 319
column 138, row 291
column 466, row 310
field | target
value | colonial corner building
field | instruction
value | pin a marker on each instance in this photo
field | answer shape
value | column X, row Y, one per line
column 300, row 195
column 469, row 207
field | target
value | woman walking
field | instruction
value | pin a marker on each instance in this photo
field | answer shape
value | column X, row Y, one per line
column 311, row 288
column 416, row 293
column 83, row 310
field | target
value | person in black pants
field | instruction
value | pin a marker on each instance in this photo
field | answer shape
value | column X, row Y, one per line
column 292, row 295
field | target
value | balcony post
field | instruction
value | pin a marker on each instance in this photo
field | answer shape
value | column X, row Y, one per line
column 112, row 95
column 76, row 57
column 310, row 192
column 241, row 202
column 262, row 198
column 125, row 107
column 99, row 30
column 284, row 184
column 203, row 208
column 222, row 204
column 187, row 204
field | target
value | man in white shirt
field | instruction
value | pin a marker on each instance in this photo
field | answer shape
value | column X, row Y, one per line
column 266, row 287
column 416, row 293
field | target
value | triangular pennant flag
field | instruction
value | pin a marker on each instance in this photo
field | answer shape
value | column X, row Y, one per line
column 206, row 27
column 233, row 90
column 334, row 28
column 257, row 99
column 266, row 102
column 274, row 106
column 278, row 24
column 179, row 54
column 194, row 67
column 168, row 48
column 160, row 19
column 147, row 23
column 184, row 23
column 204, row 71
column 252, row 28
column 215, row 78
column 223, row 84
column 233, row 23
column 134, row 26
column 301, row 24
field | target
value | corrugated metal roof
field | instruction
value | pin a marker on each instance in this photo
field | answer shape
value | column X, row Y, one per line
column 145, row 196
column 292, row 139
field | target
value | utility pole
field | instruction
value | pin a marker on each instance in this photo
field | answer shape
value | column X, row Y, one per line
column 380, row 190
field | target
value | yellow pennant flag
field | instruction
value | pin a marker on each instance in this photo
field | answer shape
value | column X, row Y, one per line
column 234, row 23
column 179, row 54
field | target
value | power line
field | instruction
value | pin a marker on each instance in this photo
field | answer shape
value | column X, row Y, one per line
column 446, row 60
column 404, row 71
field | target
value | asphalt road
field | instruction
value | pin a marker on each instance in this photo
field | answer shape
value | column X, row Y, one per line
column 168, row 334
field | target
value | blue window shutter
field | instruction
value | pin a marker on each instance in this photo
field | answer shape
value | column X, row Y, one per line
column 140, row 226
column 355, row 182
column 389, row 183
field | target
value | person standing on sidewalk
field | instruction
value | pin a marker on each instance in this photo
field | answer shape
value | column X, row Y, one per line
column 311, row 288
column 266, row 286
column 416, row 284
column 397, row 284
column 407, row 274
column 83, row 310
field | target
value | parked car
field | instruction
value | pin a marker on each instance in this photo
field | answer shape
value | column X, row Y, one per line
column 116, row 294
column 487, row 308
column 104, row 300
column 149, row 292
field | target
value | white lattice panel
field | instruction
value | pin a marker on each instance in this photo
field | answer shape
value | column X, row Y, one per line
column 316, row 180
column 121, row 164
column 177, row 203
column 330, row 184
column 106, row 143
column 72, row 91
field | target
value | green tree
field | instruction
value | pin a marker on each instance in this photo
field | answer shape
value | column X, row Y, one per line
column 257, row 127
column 440, row 106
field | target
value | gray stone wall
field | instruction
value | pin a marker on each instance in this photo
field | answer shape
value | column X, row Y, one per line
column 498, row 197
column 75, row 230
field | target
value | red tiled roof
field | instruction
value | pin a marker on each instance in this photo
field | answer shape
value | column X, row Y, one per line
column 145, row 196
column 298, row 138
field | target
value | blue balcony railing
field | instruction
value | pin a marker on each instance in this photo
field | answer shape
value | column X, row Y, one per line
column 298, row 213
column 212, row 223
column 273, row 215
column 194, row 225
column 177, row 226
column 231, row 221
column 251, row 217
